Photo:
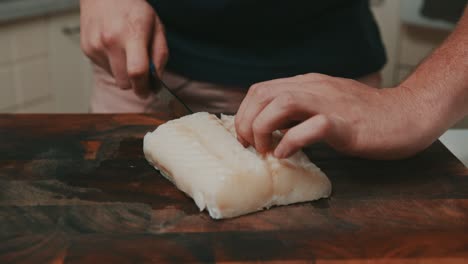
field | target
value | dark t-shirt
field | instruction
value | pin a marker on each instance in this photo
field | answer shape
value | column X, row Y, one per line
column 241, row 42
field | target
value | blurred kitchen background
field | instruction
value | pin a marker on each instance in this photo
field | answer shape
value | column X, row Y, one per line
column 42, row 69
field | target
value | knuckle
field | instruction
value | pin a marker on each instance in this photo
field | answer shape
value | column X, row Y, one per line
column 109, row 38
column 326, row 82
column 164, row 53
column 86, row 48
column 243, row 131
column 93, row 52
column 258, row 127
column 287, row 101
column 316, row 76
column 259, row 90
column 96, row 47
column 327, row 124
column 253, row 89
column 318, row 80
column 90, row 47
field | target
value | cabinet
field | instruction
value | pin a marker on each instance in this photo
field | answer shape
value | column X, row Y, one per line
column 71, row 76
column 415, row 44
column 387, row 14
column 42, row 68
column 24, row 66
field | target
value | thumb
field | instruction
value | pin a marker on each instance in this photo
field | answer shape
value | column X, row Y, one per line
column 310, row 131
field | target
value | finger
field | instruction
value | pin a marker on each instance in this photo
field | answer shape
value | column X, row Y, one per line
column 292, row 123
column 118, row 65
column 138, row 66
column 243, row 142
column 258, row 97
column 252, row 107
column 102, row 62
column 238, row 120
column 262, row 92
column 310, row 131
column 286, row 108
column 93, row 48
column 160, row 51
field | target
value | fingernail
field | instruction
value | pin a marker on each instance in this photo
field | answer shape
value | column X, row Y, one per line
column 260, row 150
column 264, row 149
column 279, row 153
column 243, row 142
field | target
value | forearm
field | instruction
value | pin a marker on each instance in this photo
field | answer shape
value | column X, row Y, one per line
column 439, row 86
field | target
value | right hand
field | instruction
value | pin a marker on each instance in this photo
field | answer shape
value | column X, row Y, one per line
column 350, row 116
column 121, row 37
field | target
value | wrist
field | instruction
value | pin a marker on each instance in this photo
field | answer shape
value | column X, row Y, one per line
column 425, row 117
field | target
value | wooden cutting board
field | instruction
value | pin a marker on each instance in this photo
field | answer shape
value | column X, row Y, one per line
column 76, row 188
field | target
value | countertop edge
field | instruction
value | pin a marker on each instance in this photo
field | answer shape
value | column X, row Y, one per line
column 11, row 11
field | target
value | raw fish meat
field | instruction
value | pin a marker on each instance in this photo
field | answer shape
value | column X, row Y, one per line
column 200, row 154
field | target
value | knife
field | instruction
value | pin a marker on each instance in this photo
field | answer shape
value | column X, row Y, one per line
column 171, row 103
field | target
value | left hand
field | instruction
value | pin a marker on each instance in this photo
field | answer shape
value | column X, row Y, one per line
column 351, row 117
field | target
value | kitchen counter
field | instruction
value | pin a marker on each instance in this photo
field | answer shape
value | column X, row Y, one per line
column 76, row 188
column 456, row 140
column 11, row 10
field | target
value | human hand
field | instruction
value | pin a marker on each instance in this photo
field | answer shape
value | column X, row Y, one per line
column 351, row 117
column 121, row 37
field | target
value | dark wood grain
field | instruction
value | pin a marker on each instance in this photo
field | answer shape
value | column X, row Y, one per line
column 77, row 189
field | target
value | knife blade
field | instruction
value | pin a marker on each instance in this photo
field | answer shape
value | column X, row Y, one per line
column 172, row 104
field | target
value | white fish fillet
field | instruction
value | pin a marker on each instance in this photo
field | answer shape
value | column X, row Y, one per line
column 200, row 154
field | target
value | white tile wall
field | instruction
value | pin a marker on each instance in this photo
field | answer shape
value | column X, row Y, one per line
column 24, row 65
column 7, row 86
column 463, row 124
column 34, row 81
column 403, row 72
column 418, row 42
column 30, row 39
column 69, row 69
column 43, row 105
column 387, row 16
column 5, row 46
column 41, row 68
